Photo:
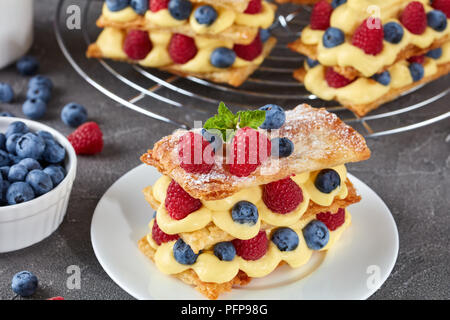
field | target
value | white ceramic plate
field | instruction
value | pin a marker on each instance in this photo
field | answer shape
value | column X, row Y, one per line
column 353, row 269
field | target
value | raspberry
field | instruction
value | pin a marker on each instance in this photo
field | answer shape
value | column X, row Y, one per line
column 249, row 149
column 56, row 298
column 414, row 17
column 179, row 203
column 282, row 196
column 320, row 15
column 369, row 36
column 182, row 48
column 87, row 139
column 332, row 221
column 250, row 51
column 195, row 153
column 160, row 236
column 156, row 5
column 252, row 249
column 417, row 59
column 336, row 80
column 254, row 7
column 443, row 5
column 137, row 44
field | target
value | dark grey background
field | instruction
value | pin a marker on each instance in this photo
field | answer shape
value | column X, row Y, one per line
column 410, row 171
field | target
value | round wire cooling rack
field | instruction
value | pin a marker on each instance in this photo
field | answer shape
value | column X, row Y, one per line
column 137, row 88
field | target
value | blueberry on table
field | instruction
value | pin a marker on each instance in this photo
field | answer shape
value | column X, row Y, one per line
column 27, row 66
column 225, row 251
column 39, row 181
column 56, row 173
column 117, row 5
column 316, row 235
column 437, row 20
column 180, row 9
column 282, row 147
column 16, row 127
column 393, row 32
column 17, row 173
column 53, row 152
column 205, row 15
column 245, row 212
column 183, row 253
column 19, row 192
column 275, row 117
column 11, row 142
column 222, row 57
column 333, row 37
column 24, row 283
column 40, row 81
column 39, row 92
column 34, row 109
column 30, row 164
column 327, row 180
column 74, row 114
column 285, row 239
column 30, row 145
column 139, row 6
column 6, row 93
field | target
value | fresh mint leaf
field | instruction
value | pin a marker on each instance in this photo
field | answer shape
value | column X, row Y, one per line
column 252, row 119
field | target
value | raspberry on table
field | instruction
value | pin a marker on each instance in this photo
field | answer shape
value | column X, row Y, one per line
column 182, row 48
column 195, row 153
column 369, row 36
column 179, row 204
column 332, row 220
column 160, row 236
column 414, row 17
column 137, row 44
column 252, row 249
column 282, row 196
column 87, row 139
column 336, row 80
column 250, row 51
column 320, row 15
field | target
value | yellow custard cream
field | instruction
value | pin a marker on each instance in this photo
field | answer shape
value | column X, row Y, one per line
column 211, row 269
column 219, row 211
column 346, row 55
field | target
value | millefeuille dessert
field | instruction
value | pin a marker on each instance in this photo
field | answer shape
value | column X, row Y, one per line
column 222, row 41
column 365, row 53
column 249, row 192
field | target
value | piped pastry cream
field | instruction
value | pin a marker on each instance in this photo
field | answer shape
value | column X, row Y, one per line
column 218, row 224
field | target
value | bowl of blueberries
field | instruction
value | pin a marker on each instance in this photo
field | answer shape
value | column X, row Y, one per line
column 37, row 170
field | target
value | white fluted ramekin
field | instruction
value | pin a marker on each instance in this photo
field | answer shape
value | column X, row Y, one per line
column 27, row 223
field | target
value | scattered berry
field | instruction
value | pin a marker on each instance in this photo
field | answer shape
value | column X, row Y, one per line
column 74, row 114
column 437, row 20
column 443, row 5
column 183, row 253
column 53, row 152
column 139, row 6
column 182, row 48
column 245, row 212
column 282, row 196
column 222, row 57
column 180, row 9
column 179, row 204
column 30, row 145
column 214, row 137
column 337, row 3
column 327, row 180
column 252, row 249
column 40, row 81
column 320, row 15
column 56, row 298
column 6, row 93
column 56, row 173
column 254, row 7
column 19, row 192
column 205, row 15
column 417, row 71
column 250, row 51
column 225, row 251
column 369, row 38
column 285, row 239
column 435, row 53
column 316, row 235
column 333, row 37
column 137, row 44
column 34, row 108
column 160, row 236
column 39, row 92
column 414, row 17
column 336, row 80
column 384, row 78
column 24, row 283
column 156, row 5
column 195, row 153
column 282, row 147
column 393, row 32
column 87, row 139
column 275, row 117
column 311, row 62
column 27, row 66
column 417, row 59
column 332, row 221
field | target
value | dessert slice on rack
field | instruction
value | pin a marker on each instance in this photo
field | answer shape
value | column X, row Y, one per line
column 370, row 52
column 249, row 192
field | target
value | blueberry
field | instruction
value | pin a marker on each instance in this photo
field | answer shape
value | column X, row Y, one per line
column 225, row 251
column 16, row 127
column 34, row 108
column 222, row 57
column 435, row 53
column 311, row 62
column 4, row 171
column 24, row 283
column 333, row 37
column 74, row 114
column 17, row 173
column 30, row 164
column 56, row 173
column 437, row 20
column 245, row 212
column 2, row 141
column 275, row 117
column 27, row 66
column 205, row 15
column 384, row 78
column 264, row 34
column 285, row 239
column 19, row 192
column 14, row 159
column 39, row 93
column 282, row 147
column 327, row 180
column 117, row 5
column 139, row 6
column 39, row 181
column 6, row 93
column 53, row 152
column 4, row 186
column 44, row 134
column 416, row 70
column 30, row 145
column 393, row 32
column 214, row 137
column 6, row 114
column 11, row 142
column 337, row 3
column 40, row 81
column 316, row 235
column 180, row 9
column 183, row 253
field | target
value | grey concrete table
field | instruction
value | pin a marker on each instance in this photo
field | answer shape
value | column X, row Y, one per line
column 410, row 171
